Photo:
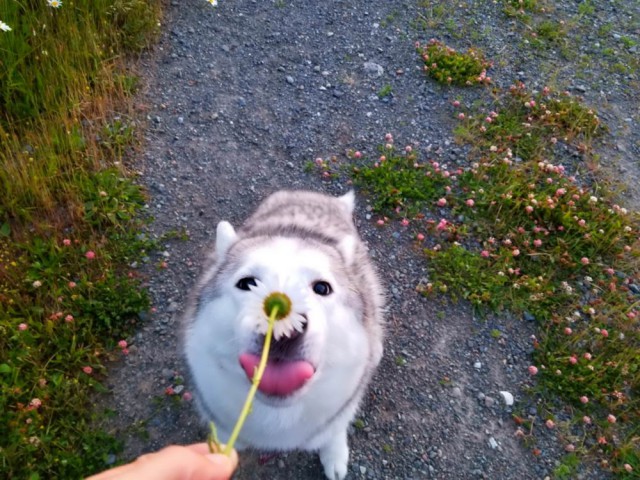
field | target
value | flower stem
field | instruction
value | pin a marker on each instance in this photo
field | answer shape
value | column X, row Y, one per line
column 257, row 376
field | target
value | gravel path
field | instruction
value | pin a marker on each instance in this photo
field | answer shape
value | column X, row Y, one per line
column 240, row 97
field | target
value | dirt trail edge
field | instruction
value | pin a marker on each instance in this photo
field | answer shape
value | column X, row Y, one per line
column 241, row 97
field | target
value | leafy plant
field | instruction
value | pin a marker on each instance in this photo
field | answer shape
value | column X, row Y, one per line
column 450, row 67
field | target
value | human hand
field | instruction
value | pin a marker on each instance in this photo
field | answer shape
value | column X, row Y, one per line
column 191, row 462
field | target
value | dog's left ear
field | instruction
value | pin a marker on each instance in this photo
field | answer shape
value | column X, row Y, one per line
column 225, row 237
column 348, row 200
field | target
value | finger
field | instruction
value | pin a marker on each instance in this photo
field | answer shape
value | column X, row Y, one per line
column 112, row 472
column 203, row 449
column 117, row 472
column 220, row 466
column 179, row 463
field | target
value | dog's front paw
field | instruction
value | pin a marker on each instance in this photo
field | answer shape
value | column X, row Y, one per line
column 335, row 457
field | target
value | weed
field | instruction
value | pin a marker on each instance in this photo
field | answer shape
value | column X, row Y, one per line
column 568, row 467
column 539, row 238
column 586, row 8
column 398, row 181
column 550, row 31
column 447, row 66
column 385, row 91
column 69, row 228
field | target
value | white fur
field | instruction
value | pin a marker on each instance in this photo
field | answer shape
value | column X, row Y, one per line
column 336, row 343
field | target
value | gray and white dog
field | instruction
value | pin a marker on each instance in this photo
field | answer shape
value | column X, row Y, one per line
column 305, row 245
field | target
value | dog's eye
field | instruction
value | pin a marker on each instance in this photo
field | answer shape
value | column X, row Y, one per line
column 246, row 283
column 322, row 288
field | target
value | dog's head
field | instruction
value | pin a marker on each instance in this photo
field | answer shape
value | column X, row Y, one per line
column 320, row 347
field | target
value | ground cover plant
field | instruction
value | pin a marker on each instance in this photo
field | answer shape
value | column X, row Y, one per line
column 70, row 222
column 448, row 66
column 527, row 226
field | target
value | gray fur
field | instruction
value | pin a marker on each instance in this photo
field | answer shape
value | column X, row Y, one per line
column 325, row 225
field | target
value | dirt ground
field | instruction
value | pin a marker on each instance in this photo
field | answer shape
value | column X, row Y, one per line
column 240, row 98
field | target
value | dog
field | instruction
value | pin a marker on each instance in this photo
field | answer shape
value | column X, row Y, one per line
column 323, row 355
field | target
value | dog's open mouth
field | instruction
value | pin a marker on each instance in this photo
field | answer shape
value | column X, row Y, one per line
column 286, row 370
column 281, row 378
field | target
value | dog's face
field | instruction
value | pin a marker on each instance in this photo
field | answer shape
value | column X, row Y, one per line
column 323, row 348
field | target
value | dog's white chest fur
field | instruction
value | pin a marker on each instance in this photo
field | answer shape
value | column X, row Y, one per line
column 305, row 245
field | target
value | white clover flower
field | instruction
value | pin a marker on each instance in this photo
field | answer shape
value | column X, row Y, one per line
column 4, row 27
column 286, row 321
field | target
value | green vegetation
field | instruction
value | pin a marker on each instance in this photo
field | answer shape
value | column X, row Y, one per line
column 69, row 219
column 385, row 91
column 530, row 228
column 447, row 66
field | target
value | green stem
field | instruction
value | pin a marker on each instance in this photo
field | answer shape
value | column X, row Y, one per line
column 257, row 376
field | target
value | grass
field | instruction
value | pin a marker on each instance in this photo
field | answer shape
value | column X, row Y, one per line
column 70, row 222
column 541, row 236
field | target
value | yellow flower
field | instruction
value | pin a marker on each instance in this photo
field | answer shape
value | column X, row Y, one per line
column 213, row 2
column 292, row 308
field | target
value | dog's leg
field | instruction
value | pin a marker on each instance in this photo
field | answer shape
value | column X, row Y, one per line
column 334, row 456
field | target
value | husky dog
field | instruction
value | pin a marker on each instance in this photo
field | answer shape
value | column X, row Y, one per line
column 305, row 245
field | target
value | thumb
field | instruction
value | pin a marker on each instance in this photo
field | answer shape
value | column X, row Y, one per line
column 224, row 465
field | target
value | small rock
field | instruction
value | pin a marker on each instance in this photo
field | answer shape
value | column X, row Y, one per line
column 492, row 443
column 528, row 317
column 489, row 402
column 456, row 392
column 173, row 306
column 373, row 69
column 289, row 79
column 507, row 397
column 363, row 470
column 178, row 389
column 477, row 365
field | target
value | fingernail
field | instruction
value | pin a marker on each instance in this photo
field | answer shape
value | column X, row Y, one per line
column 218, row 459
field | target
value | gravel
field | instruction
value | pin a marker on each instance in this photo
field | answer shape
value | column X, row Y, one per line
column 239, row 99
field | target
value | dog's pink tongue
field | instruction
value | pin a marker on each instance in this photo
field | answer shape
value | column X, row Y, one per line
column 279, row 378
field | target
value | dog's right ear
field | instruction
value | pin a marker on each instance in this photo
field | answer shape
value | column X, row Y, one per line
column 225, row 237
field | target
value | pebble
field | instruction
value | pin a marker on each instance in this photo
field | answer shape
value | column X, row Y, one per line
column 373, row 69
column 289, row 79
column 477, row 365
column 456, row 392
column 489, row 402
column 507, row 397
column 492, row 443
column 173, row 307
